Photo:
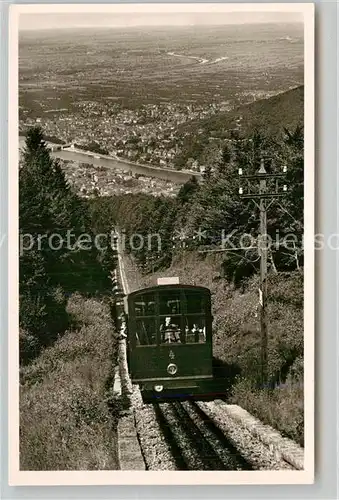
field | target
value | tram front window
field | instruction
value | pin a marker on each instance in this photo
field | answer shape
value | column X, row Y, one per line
column 169, row 303
column 146, row 331
column 195, row 302
column 195, row 330
column 170, row 330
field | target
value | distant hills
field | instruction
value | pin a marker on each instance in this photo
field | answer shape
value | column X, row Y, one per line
column 269, row 116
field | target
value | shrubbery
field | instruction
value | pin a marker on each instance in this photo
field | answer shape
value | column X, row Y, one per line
column 282, row 408
column 67, row 420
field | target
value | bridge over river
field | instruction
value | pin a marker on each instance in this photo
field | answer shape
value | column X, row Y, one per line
column 175, row 176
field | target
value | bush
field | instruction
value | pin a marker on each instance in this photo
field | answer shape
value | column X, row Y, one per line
column 42, row 319
column 282, row 408
column 29, row 346
column 67, row 416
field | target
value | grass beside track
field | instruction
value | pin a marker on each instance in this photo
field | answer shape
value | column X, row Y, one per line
column 68, row 419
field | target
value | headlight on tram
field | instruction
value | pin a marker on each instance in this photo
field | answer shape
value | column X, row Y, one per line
column 172, row 369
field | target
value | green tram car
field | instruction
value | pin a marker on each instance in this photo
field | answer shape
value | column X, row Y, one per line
column 170, row 338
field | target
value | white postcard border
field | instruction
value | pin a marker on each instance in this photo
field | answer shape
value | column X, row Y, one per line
column 18, row 477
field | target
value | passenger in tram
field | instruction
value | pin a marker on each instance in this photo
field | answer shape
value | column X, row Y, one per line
column 195, row 334
column 170, row 332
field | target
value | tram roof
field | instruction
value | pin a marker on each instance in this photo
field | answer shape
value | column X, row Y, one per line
column 164, row 288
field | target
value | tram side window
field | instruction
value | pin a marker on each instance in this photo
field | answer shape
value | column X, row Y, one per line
column 195, row 330
column 144, row 305
column 146, row 331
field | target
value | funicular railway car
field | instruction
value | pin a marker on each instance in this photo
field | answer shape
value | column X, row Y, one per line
column 170, row 338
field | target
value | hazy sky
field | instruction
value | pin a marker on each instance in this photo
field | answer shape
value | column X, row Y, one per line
column 101, row 20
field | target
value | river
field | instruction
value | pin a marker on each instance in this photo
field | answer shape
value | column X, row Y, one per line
column 175, row 176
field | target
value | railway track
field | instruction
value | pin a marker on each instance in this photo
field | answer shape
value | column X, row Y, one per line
column 196, row 443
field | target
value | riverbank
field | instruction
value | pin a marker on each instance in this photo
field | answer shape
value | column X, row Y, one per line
column 77, row 155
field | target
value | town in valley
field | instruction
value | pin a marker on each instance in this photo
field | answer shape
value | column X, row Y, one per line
column 138, row 94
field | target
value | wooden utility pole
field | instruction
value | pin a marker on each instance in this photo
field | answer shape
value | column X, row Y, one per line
column 263, row 273
column 262, row 179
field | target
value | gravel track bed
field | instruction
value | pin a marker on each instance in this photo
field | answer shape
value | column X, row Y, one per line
column 156, row 451
column 193, row 448
column 223, row 448
column 252, row 450
column 132, row 274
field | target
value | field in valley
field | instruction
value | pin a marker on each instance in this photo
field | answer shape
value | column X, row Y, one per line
column 229, row 64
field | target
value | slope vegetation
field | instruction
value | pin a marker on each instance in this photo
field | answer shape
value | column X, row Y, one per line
column 269, row 117
column 68, row 416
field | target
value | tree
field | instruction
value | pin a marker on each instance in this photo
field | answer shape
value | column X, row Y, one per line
column 188, row 190
column 51, row 264
column 216, row 208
